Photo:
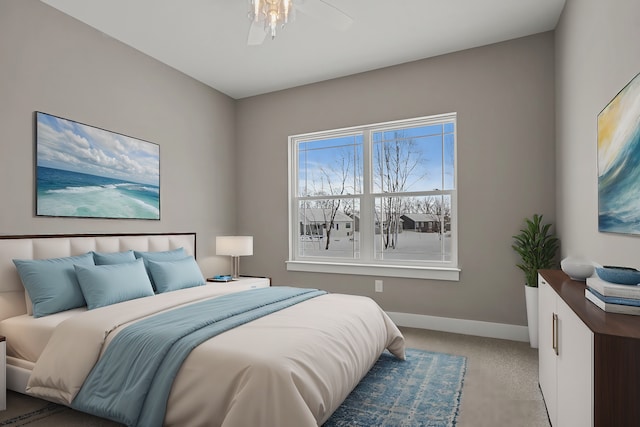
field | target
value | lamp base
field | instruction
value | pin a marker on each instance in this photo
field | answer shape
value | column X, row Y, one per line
column 235, row 261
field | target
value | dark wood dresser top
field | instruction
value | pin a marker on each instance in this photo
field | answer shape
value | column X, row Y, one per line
column 599, row 321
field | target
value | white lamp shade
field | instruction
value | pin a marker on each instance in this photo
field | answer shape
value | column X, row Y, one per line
column 234, row 245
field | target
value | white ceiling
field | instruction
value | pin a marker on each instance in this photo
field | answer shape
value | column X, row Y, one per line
column 206, row 39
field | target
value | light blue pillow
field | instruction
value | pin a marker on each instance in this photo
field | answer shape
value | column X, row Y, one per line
column 51, row 283
column 174, row 275
column 107, row 258
column 161, row 256
column 104, row 285
column 172, row 255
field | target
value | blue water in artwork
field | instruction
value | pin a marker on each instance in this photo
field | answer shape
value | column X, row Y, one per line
column 619, row 190
column 66, row 193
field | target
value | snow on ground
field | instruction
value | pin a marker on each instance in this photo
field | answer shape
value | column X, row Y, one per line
column 411, row 245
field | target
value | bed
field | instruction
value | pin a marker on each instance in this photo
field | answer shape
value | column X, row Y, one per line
column 292, row 366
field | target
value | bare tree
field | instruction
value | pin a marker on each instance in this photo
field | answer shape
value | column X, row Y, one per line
column 334, row 181
column 395, row 164
column 423, row 205
column 442, row 210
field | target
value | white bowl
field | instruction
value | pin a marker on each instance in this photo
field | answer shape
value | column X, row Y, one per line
column 577, row 268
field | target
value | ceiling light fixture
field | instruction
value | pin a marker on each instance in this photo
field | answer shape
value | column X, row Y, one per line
column 271, row 13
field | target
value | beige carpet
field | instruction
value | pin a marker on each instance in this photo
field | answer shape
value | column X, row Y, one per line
column 500, row 386
column 501, row 383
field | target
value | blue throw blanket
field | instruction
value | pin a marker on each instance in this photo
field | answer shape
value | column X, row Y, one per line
column 130, row 384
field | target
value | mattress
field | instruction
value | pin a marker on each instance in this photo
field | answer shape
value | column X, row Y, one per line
column 28, row 336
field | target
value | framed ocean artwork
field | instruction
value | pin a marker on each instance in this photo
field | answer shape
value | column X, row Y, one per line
column 619, row 162
column 87, row 172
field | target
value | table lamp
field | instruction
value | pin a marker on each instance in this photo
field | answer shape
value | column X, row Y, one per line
column 234, row 246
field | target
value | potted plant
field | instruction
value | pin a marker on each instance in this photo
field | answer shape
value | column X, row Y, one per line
column 537, row 247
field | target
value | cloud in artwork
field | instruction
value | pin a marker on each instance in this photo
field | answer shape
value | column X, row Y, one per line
column 67, row 145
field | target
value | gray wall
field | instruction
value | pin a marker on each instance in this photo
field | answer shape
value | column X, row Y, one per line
column 52, row 63
column 597, row 54
column 504, row 97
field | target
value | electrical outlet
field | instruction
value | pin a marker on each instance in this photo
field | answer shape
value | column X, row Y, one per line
column 378, row 285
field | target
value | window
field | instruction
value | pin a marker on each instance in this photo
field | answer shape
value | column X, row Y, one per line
column 392, row 187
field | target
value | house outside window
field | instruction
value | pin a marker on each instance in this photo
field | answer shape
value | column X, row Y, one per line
column 376, row 200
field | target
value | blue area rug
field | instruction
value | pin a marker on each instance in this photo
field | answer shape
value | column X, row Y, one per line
column 423, row 390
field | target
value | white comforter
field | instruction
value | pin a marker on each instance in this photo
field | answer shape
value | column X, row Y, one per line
column 291, row 368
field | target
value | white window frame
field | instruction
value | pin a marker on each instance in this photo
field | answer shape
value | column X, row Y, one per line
column 368, row 265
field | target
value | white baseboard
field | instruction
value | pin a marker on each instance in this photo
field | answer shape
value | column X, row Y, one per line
column 461, row 326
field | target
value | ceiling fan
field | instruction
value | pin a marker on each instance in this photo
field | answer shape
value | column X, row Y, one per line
column 267, row 15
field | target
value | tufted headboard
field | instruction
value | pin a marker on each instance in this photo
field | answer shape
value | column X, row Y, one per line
column 12, row 298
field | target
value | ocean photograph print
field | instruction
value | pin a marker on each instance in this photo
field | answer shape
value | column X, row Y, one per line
column 87, row 172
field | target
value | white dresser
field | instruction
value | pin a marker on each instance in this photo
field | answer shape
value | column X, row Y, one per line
column 589, row 360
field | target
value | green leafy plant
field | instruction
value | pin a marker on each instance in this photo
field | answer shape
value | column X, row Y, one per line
column 537, row 248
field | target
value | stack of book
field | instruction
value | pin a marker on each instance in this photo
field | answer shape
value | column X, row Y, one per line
column 612, row 297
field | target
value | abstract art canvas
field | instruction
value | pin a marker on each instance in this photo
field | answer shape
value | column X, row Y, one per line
column 619, row 162
column 84, row 171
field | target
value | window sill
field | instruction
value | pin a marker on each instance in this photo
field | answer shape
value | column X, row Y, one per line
column 434, row 273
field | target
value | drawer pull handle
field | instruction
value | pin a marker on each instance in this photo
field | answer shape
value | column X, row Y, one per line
column 554, row 334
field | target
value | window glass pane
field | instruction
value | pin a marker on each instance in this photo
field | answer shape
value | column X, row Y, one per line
column 329, row 228
column 330, row 167
column 409, row 159
column 449, row 127
column 413, row 228
column 448, row 161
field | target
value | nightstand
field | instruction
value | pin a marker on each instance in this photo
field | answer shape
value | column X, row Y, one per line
column 245, row 282
column 3, row 373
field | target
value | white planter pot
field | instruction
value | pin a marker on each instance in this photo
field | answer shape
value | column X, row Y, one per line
column 531, row 296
